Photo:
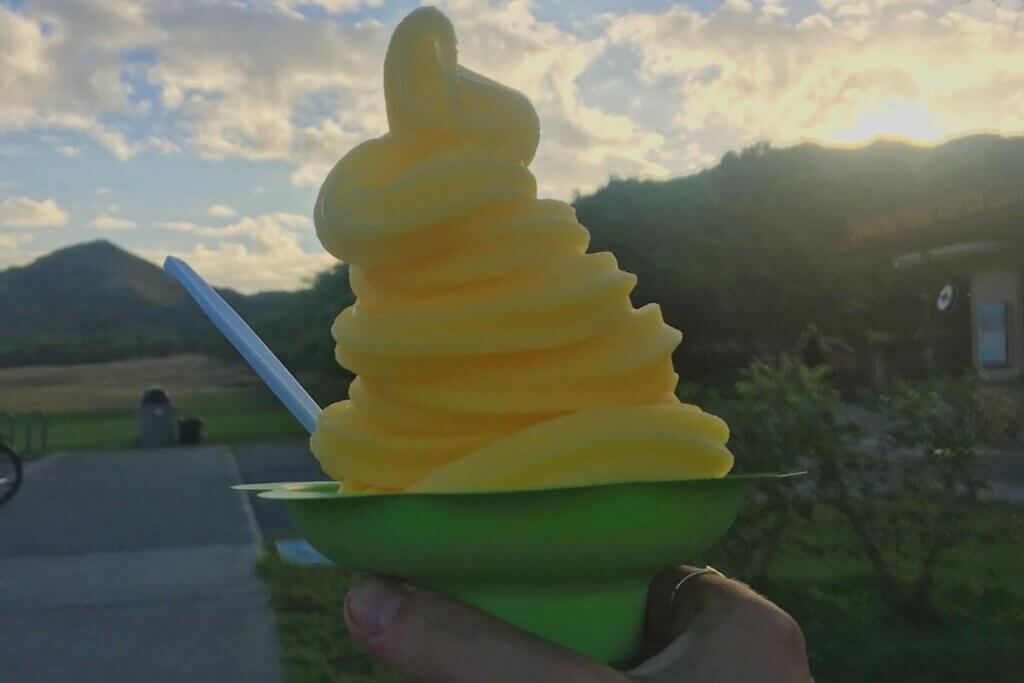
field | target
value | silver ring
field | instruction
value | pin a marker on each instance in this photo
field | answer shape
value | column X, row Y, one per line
column 696, row 572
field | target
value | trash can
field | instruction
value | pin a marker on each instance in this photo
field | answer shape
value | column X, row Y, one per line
column 156, row 418
column 190, row 430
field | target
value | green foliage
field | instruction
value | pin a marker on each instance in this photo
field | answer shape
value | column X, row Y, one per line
column 315, row 645
column 786, row 411
column 1000, row 413
column 299, row 329
column 743, row 255
column 921, row 463
column 91, row 302
column 823, row 578
column 115, row 306
column 783, row 416
column 925, row 458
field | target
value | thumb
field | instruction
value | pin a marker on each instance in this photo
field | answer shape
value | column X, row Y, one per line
column 427, row 637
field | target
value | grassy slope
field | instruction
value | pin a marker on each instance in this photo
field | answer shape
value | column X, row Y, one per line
column 820, row 577
column 228, row 416
column 823, row 579
column 92, row 406
column 315, row 647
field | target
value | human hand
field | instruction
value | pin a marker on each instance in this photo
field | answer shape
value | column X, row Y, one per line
column 714, row 630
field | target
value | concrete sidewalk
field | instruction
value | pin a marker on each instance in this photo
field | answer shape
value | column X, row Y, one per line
column 133, row 566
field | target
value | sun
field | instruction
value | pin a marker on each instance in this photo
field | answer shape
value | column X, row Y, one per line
column 892, row 118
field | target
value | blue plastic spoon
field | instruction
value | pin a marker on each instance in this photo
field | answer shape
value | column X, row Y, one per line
column 273, row 373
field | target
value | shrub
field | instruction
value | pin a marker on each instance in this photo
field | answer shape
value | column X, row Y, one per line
column 921, row 463
column 1000, row 413
column 783, row 417
column 924, row 462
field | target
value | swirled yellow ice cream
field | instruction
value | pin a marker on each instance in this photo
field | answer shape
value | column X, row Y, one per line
column 491, row 351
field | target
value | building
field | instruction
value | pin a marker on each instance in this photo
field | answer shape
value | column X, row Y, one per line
column 969, row 250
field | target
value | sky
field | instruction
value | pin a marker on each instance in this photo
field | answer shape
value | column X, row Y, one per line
column 203, row 128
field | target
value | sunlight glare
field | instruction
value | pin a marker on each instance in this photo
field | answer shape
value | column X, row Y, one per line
column 893, row 118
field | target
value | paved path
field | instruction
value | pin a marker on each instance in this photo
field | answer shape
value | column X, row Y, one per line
column 138, row 565
column 1004, row 470
column 133, row 566
column 280, row 461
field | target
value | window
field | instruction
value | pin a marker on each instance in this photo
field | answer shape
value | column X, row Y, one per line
column 994, row 335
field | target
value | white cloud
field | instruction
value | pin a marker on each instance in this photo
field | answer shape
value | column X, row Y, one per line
column 581, row 144
column 278, row 86
column 925, row 70
column 25, row 212
column 106, row 221
column 774, row 8
column 13, row 240
column 269, row 257
column 738, row 5
column 60, row 145
column 853, row 9
column 232, row 264
column 266, row 232
column 102, row 190
column 163, row 145
column 62, row 67
column 22, row 61
column 112, row 140
column 65, row 76
column 12, row 255
column 221, row 211
column 317, row 149
column 292, row 7
column 627, row 93
column 240, row 102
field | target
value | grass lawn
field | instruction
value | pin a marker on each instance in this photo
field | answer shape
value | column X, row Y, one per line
column 250, row 414
column 315, row 646
column 94, row 405
column 823, row 580
column 820, row 577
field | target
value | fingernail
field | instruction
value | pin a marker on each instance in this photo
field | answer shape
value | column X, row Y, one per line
column 373, row 603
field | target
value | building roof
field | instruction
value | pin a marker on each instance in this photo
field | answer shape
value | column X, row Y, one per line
column 963, row 221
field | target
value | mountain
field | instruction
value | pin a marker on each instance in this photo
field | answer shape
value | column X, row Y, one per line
column 744, row 255
column 95, row 301
column 741, row 257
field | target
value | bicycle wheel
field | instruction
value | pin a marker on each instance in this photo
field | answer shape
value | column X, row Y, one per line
column 10, row 473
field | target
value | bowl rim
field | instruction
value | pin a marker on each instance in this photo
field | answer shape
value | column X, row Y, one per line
column 328, row 489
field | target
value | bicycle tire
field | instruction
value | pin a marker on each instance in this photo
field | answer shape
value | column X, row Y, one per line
column 10, row 473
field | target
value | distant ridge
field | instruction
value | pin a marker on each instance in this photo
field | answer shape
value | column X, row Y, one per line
column 740, row 256
column 95, row 301
column 744, row 255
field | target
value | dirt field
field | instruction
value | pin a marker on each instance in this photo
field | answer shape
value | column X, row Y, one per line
column 118, row 385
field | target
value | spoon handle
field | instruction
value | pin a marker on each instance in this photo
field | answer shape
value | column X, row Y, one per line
column 287, row 389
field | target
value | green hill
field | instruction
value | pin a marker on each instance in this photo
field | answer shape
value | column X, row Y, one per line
column 741, row 256
column 95, row 301
column 744, row 255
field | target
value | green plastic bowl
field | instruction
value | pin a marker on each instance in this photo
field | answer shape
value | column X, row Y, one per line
column 571, row 565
